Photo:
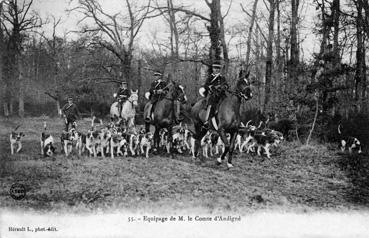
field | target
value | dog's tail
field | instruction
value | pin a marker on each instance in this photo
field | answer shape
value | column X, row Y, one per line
column 16, row 128
column 339, row 129
column 247, row 124
column 45, row 126
column 92, row 123
column 261, row 123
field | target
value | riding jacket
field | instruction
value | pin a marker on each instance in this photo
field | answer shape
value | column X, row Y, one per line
column 216, row 82
column 71, row 111
column 123, row 94
column 158, row 87
column 215, row 86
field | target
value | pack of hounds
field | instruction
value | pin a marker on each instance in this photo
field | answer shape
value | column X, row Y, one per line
column 115, row 140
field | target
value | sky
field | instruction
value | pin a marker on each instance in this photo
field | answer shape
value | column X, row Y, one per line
column 58, row 8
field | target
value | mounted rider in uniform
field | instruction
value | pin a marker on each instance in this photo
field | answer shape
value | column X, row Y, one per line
column 214, row 88
column 122, row 95
column 158, row 89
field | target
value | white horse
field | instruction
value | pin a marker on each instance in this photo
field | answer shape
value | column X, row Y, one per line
column 128, row 109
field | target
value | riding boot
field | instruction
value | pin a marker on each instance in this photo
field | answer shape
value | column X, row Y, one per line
column 148, row 115
column 206, row 123
column 120, row 109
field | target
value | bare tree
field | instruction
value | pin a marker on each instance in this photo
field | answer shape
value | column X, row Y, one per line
column 269, row 56
column 2, row 50
column 294, row 59
column 18, row 20
column 55, row 47
column 249, row 36
column 360, row 76
column 215, row 27
column 115, row 32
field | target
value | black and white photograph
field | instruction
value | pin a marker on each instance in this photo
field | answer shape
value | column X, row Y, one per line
column 184, row 118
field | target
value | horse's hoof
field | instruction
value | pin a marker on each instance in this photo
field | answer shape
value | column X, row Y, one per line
column 229, row 165
column 219, row 160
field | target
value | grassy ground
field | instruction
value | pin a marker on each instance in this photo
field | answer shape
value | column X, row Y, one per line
column 297, row 178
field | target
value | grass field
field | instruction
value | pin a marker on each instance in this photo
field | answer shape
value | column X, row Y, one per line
column 297, row 178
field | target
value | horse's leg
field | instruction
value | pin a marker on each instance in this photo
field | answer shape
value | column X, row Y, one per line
column 156, row 138
column 223, row 136
column 200, row 132
column 170, row 138
column 231, row 149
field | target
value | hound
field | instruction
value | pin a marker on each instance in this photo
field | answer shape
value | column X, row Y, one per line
column 265, row 139
column 146, row 144
column 179, row 140
column 15, row 140
column 81, row 142
column 348, row 142
column 206, row 144
column 47, row 143
column 118, row 141
column 67, row 139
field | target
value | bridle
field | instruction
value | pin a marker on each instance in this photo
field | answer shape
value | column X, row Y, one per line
column 131, row 100
column 240, row 93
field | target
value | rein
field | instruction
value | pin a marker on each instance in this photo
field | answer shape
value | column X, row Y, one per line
column 236, row 93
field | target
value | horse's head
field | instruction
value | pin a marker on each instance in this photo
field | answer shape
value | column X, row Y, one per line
column 243, row 85
column 177, row 92
column 134, row 98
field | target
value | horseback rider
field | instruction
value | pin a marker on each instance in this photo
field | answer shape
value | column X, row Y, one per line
column 157, row 89
column 70, row 113
column 122, row 95
column 214, row 88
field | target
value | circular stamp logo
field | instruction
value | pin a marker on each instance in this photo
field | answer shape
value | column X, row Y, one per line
column 17, row 191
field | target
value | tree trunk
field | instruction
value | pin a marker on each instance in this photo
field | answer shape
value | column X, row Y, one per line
column 279, row 56
column 20, row 88
column 294, row 59
column 258, row 58
column 139, row 83
column 249, row 36
column 222, row 37
column 3, row 87
column 336, row 25
column 360, row 74
column 214, row 33
column 269, row 56
column 174, row 37
column 11, row 106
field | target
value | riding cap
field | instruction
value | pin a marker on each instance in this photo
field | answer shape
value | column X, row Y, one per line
column 216, row 65
column 70, row 98
column 124, row 82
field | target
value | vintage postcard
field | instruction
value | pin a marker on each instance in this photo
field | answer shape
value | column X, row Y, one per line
column 184, row 118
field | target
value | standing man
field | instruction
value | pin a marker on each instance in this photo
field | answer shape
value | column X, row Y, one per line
column 157, row 89
column 70, row 113
column 122, row 95
column 214, row 88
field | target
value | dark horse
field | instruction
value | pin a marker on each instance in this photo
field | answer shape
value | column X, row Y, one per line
column 227, row 116
column 164, row 111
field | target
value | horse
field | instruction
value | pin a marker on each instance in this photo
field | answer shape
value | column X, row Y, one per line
column 164, row 111
column 128, row 110
column 227, row 117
